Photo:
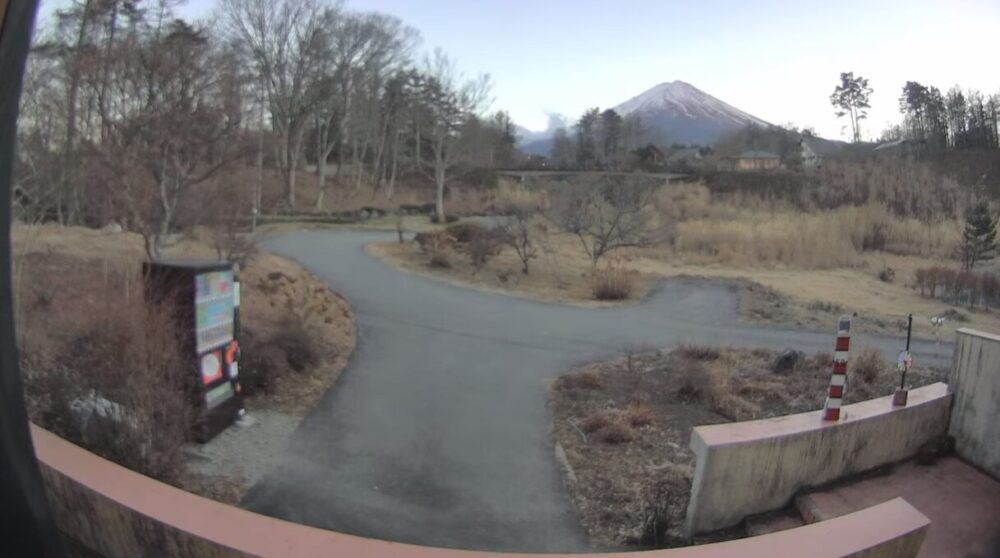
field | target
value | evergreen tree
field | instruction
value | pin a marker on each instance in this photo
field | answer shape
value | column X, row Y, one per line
column 563, row 150
column 586, row 139
column 850, row 98
column 980, row 235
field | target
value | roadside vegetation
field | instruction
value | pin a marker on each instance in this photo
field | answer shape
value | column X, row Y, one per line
column 801, row 254
column 103, row 367
column 625, row 425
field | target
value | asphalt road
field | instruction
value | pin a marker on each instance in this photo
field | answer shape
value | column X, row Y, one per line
column 437, row 433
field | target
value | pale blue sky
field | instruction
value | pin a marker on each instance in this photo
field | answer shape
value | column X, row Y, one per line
column 778, row 60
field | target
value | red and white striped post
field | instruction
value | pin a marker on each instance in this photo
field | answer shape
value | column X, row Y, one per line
column 838, row 381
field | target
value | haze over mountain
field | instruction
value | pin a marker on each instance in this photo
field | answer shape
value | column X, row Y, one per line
column 676, row 111
column 542, row 138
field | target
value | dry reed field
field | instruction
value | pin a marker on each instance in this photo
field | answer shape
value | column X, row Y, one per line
column 812, row 260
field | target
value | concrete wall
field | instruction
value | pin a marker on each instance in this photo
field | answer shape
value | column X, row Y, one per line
column 119, row 513
column 975, row 414
column 750, row 467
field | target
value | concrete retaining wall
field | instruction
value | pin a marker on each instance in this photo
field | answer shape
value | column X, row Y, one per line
column 975, row 414
column 750, row 467
column 119, row 513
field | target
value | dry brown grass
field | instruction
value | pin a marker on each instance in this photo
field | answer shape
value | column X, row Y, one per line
column 868, row 365
column 597, row 421
column 634, row 476
column 829, row 260
column 561, row 272
column 638, row 415
column 616, row 432
column 103, row 366
column 826, row 240
column 612, row 282
column 583, row 380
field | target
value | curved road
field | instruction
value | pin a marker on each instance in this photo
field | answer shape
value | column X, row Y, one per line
column 437, row 433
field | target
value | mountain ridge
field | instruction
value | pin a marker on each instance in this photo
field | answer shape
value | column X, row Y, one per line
column 676, row 112
column 686, row 114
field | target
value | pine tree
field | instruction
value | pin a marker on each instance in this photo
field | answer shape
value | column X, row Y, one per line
column 980, row 235
column 850, row 98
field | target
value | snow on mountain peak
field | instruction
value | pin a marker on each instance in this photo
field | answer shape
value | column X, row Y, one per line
column 681, row 99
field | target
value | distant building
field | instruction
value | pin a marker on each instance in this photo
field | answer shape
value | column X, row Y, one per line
column 756, row 160
column 812, row 152
column 904, row 148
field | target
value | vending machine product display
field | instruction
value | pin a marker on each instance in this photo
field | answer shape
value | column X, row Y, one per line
column 205, row 297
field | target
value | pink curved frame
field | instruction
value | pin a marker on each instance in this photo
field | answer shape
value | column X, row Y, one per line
column 88, row 493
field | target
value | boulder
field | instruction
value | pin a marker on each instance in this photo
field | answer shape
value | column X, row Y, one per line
column 787, row 361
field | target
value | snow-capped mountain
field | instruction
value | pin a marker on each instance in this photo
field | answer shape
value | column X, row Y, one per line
column 686, row 114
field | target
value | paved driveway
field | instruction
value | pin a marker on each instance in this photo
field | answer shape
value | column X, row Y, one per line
column 437, row 433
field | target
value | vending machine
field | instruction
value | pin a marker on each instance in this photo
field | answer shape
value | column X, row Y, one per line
column 205, row 296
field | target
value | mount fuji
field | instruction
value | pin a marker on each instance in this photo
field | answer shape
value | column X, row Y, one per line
column 686, row 114
column 674, row 112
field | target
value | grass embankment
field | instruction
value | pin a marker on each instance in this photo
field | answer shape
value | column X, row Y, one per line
column 625, row 425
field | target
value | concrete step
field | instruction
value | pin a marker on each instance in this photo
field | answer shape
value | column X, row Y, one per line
column 828, row 504
column 773, row 522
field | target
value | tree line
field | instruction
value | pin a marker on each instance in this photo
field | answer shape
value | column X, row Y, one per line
column 958, row 119
column 133, row 115
column 601, row 140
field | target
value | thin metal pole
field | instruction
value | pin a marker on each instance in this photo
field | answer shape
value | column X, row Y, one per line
column 909, row 332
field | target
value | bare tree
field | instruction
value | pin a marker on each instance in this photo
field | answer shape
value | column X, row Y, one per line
column 449, row 100
column 180, row 136
column 607, row 215
column 287, row 40
column 516, row 231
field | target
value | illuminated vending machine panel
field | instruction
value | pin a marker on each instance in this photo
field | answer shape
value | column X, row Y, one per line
column 206, row 298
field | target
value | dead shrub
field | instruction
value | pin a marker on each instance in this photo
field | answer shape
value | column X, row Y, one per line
column 695, row 382
column 583, row 380
column 887, row 274
column 504, row 275
column 435, row 240
column 822, row 361
column 296, row 338
column 638, row 415
column 597, row 421
column 440, row 258
column 617, row 432
column 464, row 233
column 261, row 363
column 612, row 283
column 482, row 248
column 115, row 381
column 697, row 352
column 868, row 365
column 662, row 512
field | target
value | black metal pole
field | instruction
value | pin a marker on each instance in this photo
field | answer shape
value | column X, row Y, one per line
column 26, row 526
column 909, row 332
